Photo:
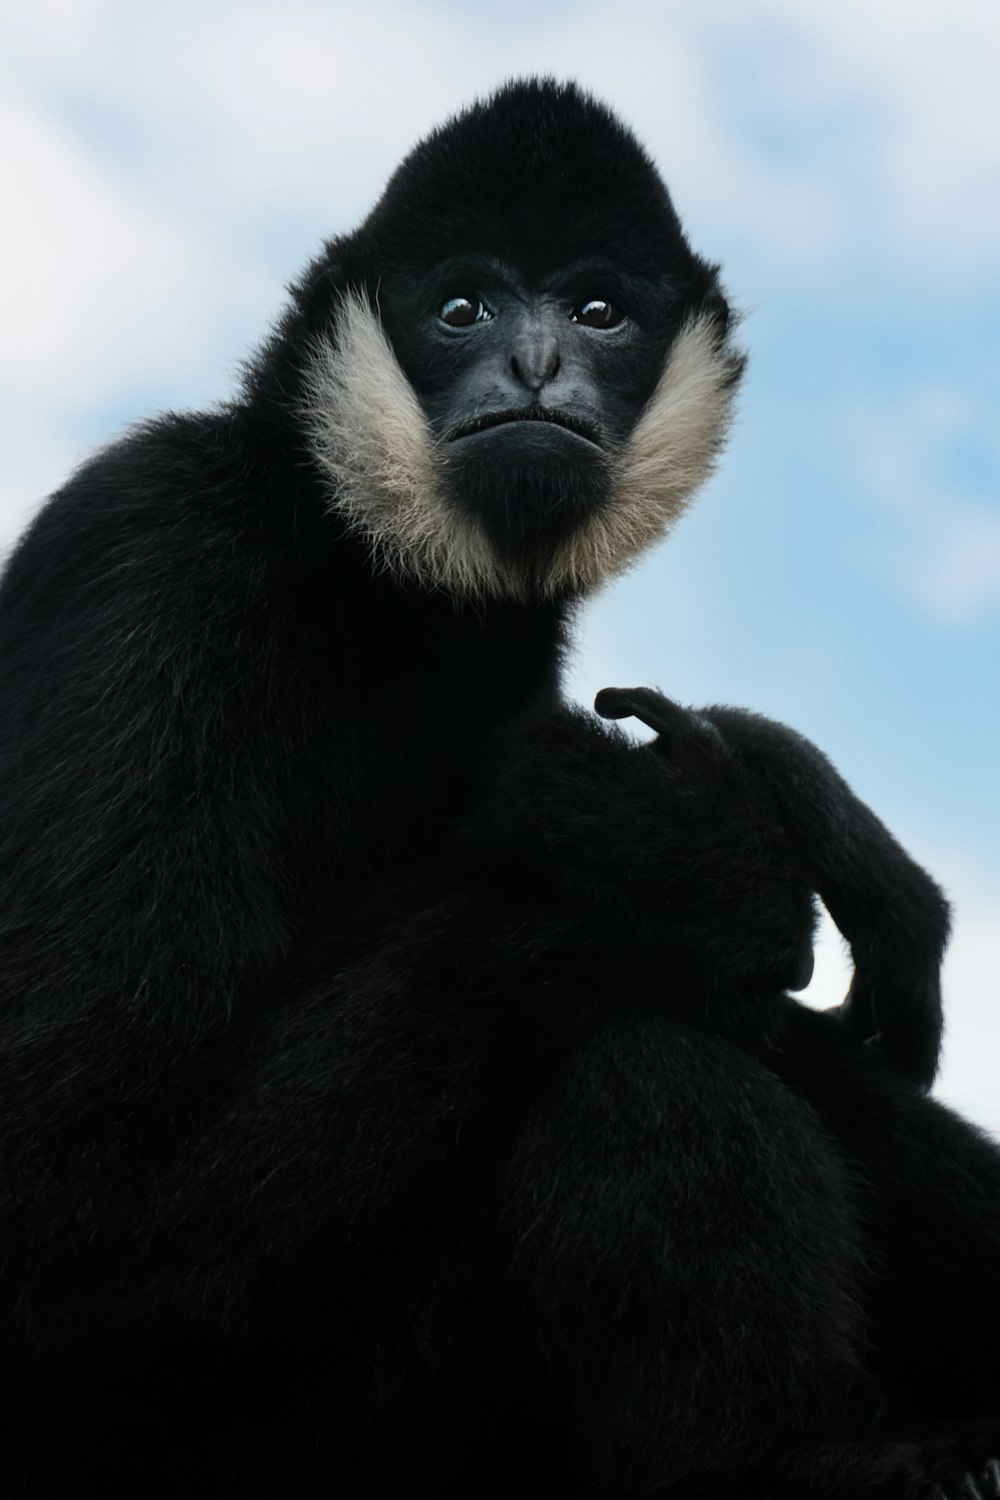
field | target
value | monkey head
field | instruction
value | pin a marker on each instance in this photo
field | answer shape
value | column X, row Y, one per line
column 516, row 372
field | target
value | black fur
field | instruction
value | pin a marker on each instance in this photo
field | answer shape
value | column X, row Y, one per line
column 398, row 1094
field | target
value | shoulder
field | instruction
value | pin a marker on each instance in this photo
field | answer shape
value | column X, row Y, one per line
column 167, row 505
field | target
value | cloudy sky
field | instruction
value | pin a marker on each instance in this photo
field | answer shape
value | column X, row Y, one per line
column 167, row 169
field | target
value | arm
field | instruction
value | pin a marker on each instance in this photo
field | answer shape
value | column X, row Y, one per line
column 890, row 911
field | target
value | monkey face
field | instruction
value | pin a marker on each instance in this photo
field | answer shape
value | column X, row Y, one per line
column 529, row 390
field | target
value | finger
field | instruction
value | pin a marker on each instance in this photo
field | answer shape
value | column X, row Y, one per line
column 677, row 728
column 645, row 704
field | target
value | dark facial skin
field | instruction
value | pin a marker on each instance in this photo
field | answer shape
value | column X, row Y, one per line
column 531, row 385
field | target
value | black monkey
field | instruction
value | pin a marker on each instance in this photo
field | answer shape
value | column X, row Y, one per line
column 301, row 1185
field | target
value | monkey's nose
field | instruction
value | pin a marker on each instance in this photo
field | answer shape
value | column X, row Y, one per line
column 535, row 360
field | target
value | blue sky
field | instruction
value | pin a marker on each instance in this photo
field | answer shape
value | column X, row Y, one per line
column 166, row 169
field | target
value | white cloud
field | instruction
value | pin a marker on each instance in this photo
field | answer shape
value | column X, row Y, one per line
column 89, row 273
column 51, row 32
column 921, row 77
column 302, row 104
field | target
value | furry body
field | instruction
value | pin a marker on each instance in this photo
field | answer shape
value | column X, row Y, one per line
column 368, row 1124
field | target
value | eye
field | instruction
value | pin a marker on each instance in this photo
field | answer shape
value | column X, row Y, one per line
column 597, row 312
column 462, row 312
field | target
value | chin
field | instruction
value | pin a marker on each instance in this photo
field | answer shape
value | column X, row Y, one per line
column 528, row 486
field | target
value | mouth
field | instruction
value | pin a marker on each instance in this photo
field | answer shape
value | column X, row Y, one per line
column 579, row 426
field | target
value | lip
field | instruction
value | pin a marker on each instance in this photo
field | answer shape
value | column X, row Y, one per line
column 579, row 426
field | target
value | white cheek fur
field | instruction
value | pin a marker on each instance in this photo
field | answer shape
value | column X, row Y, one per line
column 371, row 440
